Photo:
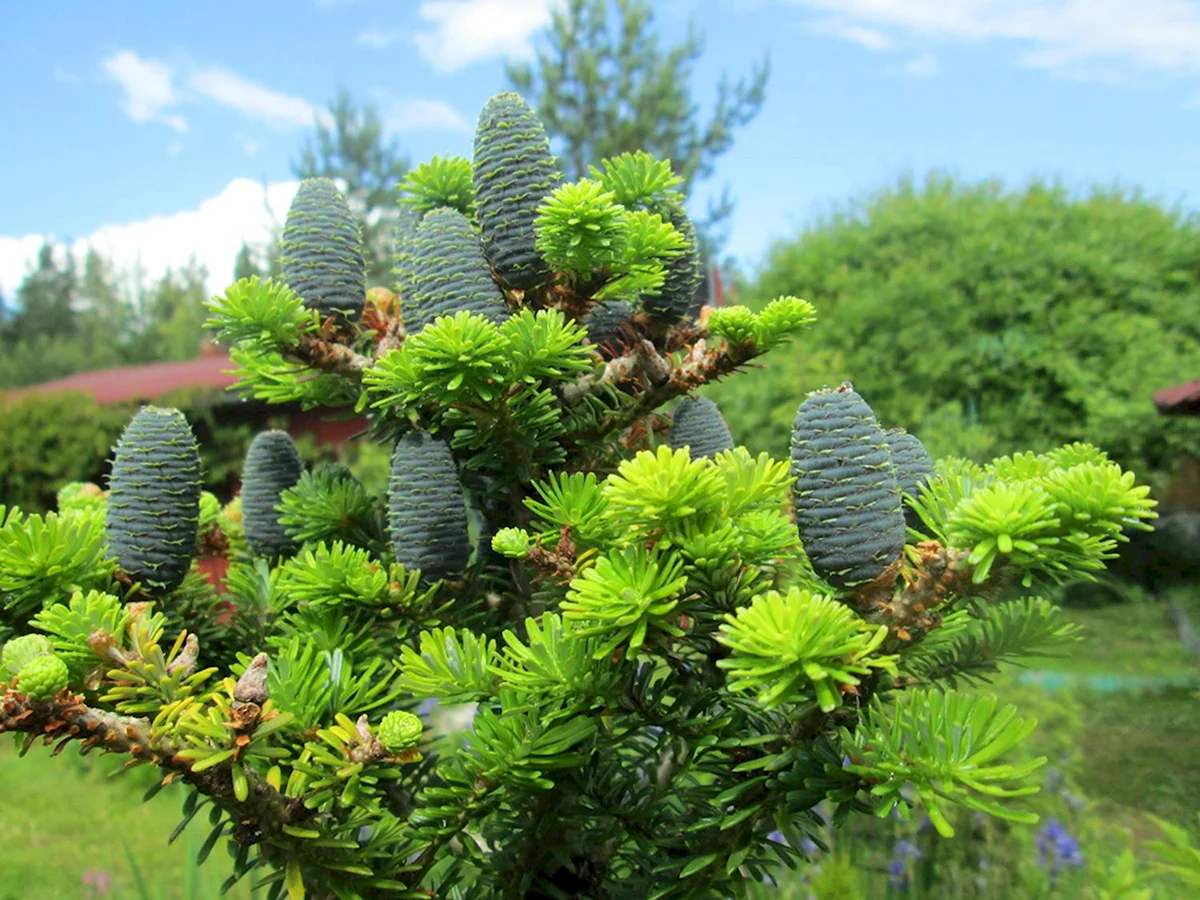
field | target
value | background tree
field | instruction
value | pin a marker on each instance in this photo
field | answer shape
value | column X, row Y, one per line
column 995, row 337
column 351, row 149
column 246, row 264
column 605, row 86
column 44, row 299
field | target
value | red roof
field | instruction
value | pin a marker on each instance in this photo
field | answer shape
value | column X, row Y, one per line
column 1181, row 400
column 141, row 383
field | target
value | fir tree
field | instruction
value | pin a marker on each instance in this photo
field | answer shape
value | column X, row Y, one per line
column 670, row 656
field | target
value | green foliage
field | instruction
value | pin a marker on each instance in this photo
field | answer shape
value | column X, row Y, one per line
column 623, row 596
column 637, row 179
column 44, row 559
column 440, row 182
column 581, row 227
column 267, row 313
column 945, row 747
column 1059, row 515
column 788, row 645
column 997, row 340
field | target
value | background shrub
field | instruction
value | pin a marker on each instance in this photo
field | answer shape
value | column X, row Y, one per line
column 988, row 320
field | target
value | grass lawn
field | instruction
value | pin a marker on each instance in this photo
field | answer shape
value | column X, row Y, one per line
column 61, row 819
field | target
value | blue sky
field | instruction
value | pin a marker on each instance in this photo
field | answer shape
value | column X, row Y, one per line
column 149, row 129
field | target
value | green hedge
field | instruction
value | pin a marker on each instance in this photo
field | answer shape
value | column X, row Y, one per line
column 986, row 320
column 48, row 440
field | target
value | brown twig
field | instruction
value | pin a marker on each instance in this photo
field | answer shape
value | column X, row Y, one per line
column 67, row 718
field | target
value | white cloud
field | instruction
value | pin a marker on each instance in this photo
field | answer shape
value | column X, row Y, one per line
column 151, row 93
column 212, row 233
column 470, row 31
column 251, row 146
column 149, row 87
column 378, row 39
column 254, row 100
column 923, row 66
column 420, row 115
column 869, row 38
column 1073, row 35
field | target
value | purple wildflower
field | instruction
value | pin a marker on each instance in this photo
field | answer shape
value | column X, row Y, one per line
column 1057, row 849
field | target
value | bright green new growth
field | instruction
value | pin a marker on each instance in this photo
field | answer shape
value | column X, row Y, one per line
column 272, row 466
column 798, row 645
column 513, row 172
column 449, row 273
column 581, row 228
column 154, row 499
column 441, row 182
column 427, row 517
column 322, row 255
column 848, row 504
column 43, row 676
column 699, row 425
column 19, row 651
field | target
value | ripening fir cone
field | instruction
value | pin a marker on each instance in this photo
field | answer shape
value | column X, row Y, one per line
column 449, row 273
column 604, row 322
column 848, row 506
column 322, row 252
column 154, row 499
column 407, row 221
column 677, row 299
column 272, row 466
column 43, row 677
column 513, row 173
column 427, row 514
column 698, row 424
column 913, row 465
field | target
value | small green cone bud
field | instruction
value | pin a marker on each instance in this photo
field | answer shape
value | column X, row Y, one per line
column 449, row 273
column 603, row 323
column 272, row 466
column 79, row 495
column 513, row 172
column 400, row 731
column 427, row 514
column 43, row 677
column 677, row 299
column 21, row 650
column 913, row 465
column 154, row 499
column 322, row 252
column 700, row 426
column 848, row 507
